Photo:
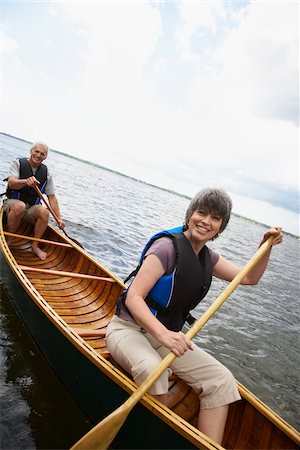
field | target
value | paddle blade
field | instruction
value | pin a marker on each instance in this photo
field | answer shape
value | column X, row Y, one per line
column 102, row 435
column 74, row 240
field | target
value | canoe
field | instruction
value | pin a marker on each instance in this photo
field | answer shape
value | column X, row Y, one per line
column 66, row 303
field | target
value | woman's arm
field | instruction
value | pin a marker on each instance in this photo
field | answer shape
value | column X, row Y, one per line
column 150, row 271
column 226, row 270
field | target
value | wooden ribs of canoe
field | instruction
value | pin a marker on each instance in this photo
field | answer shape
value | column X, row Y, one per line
column 77, row 296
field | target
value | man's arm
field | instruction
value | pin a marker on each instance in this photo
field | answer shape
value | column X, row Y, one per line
column 55, row 206
column 17, row 183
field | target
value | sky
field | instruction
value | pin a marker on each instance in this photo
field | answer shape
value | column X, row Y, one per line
column 180, row 94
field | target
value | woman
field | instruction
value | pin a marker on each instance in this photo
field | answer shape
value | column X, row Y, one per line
column 174, row 275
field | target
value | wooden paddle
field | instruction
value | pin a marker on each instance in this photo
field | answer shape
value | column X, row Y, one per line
column 105, row 431
column 54, row 215
column 31, row 238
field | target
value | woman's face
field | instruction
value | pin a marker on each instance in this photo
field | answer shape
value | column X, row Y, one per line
column 204, row 225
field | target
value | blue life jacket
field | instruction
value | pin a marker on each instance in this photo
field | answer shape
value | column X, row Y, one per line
column 28, row 194
column 174, row 295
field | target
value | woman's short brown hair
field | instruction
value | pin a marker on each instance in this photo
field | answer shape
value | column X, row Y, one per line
column 213, row 201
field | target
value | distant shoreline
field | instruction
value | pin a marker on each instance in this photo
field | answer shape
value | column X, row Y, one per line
column 140, row 181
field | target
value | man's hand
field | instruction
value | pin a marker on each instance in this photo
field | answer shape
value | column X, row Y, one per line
column 61, row 224
column 32, row 181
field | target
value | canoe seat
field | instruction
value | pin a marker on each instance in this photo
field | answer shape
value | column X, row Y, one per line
column 105, row 353
column 89, row 332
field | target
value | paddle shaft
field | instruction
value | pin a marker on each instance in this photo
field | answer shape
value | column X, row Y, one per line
column 46, row 203
column 103, row 434
column 31, row 238
column 54, row 214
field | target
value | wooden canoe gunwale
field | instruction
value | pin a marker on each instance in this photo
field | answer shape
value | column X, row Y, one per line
column 85, row 342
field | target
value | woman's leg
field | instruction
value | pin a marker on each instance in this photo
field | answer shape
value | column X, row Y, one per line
column 163, row 398
column 131, row 349
column 214, row 384
column 212, row 422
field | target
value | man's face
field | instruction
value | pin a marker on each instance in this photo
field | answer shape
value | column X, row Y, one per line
column 37, row 155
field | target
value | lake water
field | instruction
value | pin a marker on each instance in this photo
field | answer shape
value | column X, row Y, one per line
column 255, row 333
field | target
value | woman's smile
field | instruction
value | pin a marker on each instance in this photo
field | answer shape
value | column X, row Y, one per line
column 202, row 227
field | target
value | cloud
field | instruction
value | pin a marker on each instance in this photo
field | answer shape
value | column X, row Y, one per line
column 179, row 94
column 266, row 213
column 246, row 90
column 7, row 44
column 195, row 16
column 255, row 67
column 113, row 93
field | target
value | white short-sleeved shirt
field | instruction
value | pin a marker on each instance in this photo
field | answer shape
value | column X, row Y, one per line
column 14, row 171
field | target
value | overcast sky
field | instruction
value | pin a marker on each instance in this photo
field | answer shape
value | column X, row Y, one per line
column 181, row 94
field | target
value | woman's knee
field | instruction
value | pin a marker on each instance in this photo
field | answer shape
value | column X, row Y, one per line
column 143, row 368
column 227, row 379
column 220, row 390
column 224, row 385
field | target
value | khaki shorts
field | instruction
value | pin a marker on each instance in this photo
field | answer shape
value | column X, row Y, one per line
column 28, row 215
column 139, row 353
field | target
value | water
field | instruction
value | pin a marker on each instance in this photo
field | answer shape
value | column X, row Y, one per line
column 255, row 333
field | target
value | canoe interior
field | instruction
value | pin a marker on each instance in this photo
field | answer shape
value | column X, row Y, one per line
column 87, row 306
column 84, row 304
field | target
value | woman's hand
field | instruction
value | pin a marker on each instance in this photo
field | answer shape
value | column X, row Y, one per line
column 151, row 271
column 276, row 232
column 177, row 342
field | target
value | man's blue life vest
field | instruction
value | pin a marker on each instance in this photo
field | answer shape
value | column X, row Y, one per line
column 28, row 194
column 174, row 295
